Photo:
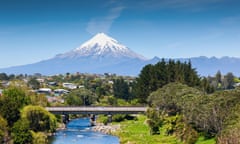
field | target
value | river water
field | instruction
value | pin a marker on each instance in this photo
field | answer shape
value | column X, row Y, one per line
column 78, row 131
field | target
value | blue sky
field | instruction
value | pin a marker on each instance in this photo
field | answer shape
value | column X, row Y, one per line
column 34, row 30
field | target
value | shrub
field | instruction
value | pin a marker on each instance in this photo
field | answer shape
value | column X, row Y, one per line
column 39, row 119
column 21, row 133
column 39, row 138
column 118, row 117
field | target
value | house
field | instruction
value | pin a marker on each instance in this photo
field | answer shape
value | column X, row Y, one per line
column 45, row 91
column 40, row 80
column 60, row 91
column 69, row 85
column 53, row 83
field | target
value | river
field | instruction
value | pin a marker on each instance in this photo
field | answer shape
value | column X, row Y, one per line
column 78, row 131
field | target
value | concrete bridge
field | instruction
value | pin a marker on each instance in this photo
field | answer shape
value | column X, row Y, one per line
column 96, row 110
column 93, row 110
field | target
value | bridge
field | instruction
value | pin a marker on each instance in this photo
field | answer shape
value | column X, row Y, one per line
column 94, row 110
column 109, row 110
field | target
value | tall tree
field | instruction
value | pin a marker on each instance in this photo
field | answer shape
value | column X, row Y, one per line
column 156, row 76
column 80, row 96
column 228, row 81
column 143, row 88
column 3, row 76
column 121, row 89
column 218, row 77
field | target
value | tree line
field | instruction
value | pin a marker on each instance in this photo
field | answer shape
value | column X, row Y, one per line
column 156, row 76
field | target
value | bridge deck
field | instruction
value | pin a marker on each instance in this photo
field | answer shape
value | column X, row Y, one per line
column 96, row 110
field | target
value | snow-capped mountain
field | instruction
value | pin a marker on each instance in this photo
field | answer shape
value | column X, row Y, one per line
column 101, row 45
column 100, row 54
column 103, row 54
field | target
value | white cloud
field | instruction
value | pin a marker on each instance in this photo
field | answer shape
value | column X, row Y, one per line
column 103, row 24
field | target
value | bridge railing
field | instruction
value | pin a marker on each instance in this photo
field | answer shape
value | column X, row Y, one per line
column 96, row 110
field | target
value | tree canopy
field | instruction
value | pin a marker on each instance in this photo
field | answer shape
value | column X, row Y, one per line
column 156, row 76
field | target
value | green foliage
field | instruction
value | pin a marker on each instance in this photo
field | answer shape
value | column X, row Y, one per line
column 230, row 136
column 39, row 119
column 156, row 76
column 39, row 138
column 3, row 129
column 228, row 81
column 112, row 101
column 223, row 82
column 206, row 86
column 209, row 114
column 39, row 99
column 183, row 130
column 4, row 76
column 11, row 102
column 80, row 96
column 231, row 130
column 137, row 132
column 21, row 133
column 121, row 89
column 170, row 124
column 174, row 98
column 213, row 112
column 155, row 120
column 33, row 83
column 102, row 119
column 118, row 117
column 203, row 140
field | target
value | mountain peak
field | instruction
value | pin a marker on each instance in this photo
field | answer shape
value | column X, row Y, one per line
column 101, row 40
column 102, row 45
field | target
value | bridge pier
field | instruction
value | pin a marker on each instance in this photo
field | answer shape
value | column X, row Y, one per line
column 92, row 120
column 109, row 118
column 65, row 118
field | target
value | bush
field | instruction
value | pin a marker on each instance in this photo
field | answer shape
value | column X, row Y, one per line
column 118, row 117
column 39, row 138
column 39, row 119
column 3, row 129
column 187, row 134
column 21, row 133
column 102, row 119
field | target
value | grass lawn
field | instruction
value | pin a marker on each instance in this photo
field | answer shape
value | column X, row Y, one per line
column 137, row 132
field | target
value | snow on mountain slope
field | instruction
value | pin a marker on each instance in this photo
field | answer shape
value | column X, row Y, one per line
column 102, row 45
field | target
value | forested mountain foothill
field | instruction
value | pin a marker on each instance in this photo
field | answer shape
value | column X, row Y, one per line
column 186, row 105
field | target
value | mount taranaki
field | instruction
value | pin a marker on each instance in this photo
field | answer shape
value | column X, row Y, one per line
column 103, row 54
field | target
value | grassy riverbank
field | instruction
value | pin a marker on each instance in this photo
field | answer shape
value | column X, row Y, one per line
column 137, row 132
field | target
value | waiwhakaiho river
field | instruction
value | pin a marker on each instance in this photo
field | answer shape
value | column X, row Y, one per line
column 78, row 131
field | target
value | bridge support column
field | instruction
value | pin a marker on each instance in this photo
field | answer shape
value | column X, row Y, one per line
column 65, row 118
column 92, row 120
column 109, row 118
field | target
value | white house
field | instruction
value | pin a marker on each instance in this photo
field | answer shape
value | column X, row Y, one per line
column 69, row 85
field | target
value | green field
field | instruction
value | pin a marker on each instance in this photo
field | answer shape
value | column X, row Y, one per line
column 137, row 132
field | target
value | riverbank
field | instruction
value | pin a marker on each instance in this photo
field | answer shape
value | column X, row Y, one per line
column 137, row 132
column 78, row 131
column 106, row 129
